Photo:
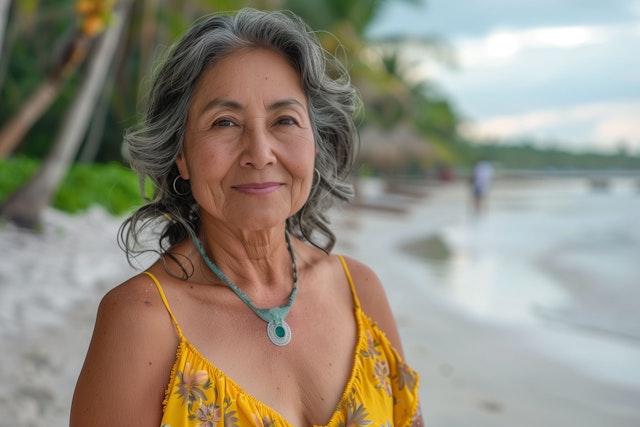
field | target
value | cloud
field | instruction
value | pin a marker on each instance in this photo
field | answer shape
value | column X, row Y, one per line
column 450, row 18
column 620, row 128
column 604, row 126
column 570, row 77
column 487, row 51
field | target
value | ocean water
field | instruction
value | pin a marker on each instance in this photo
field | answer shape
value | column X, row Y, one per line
column 547, row 250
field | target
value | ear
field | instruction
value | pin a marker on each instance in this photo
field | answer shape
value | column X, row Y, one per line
column 182, row 167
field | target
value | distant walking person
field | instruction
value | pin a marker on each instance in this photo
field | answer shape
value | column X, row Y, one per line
column 480, row 183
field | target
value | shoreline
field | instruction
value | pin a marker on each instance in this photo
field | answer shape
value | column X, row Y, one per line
column 486, row 371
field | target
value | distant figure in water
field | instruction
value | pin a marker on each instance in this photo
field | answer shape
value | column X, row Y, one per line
column 480, row 185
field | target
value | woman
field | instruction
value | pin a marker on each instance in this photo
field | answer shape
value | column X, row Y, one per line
column 246, row 318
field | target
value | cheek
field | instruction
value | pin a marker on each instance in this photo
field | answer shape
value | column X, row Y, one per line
column 207, row 173
column 209, row 161
column 306, row 176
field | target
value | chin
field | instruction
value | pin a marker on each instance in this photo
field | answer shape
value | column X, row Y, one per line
column 256, row 223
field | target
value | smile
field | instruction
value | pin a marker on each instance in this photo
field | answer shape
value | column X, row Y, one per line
column 258, row 188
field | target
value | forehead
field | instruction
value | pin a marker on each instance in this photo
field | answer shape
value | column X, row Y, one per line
column 250, row 69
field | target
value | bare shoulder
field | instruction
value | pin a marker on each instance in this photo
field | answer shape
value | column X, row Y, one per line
column 132, row 308
column 367, row 284
column 134, row 314
column 129, row 358
column 137, row 297
column 373, row 299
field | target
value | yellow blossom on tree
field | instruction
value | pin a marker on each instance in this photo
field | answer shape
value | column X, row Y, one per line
column 94, row 15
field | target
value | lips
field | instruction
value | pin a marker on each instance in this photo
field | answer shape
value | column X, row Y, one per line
column 258, row 188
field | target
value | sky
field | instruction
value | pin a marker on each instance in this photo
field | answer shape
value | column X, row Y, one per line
column 561, row 73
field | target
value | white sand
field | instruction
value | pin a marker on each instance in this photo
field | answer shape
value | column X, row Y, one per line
column 475, row 371
column 50, row 286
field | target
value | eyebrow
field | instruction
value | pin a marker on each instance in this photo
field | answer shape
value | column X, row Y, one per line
column 233, row 105
column 285, row 103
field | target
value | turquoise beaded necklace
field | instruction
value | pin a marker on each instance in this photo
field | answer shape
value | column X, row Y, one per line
column 278, row 330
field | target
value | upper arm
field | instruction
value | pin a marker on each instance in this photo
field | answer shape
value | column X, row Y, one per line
column 373, row 300
column 129, row 360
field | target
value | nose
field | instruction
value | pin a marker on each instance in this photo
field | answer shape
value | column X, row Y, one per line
column 258, row 148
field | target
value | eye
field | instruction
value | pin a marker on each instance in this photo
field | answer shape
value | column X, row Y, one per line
column 223, row 123
column 287, row 121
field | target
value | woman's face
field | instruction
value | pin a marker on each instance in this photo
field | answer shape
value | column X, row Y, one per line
column 249, row 149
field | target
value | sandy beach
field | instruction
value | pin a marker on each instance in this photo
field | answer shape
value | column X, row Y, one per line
column 482, row 368
column 476, row 370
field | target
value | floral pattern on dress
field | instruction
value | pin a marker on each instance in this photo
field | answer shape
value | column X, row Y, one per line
column 383, row 376
column 208, row 401
column 416, row 419
column 371, row 351
column 262, row 421
column 195, row 389
column 376, row 362
column 377, row 367
column 209, row 414
column 192, row 385
column 356, row 414
column 406, row 376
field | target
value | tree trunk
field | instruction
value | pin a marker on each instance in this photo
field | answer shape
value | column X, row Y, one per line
column 25, row 206
column 148, row 36
column 4, row 18
column 96, row 131
column 8, row 36
column 17, row 127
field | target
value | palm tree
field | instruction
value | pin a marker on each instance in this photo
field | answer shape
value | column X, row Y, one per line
column 24, row 207
column 393, row 99
column 70, row 57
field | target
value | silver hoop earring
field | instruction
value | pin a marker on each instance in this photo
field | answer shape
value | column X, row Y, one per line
column 175, row 187
column 316, row 172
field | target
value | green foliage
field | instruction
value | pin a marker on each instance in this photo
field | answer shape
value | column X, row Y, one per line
column 528, row 156
column 14, row 172
column 323, row 15
column 436, row 118
column 36, row 36
column 111, row 186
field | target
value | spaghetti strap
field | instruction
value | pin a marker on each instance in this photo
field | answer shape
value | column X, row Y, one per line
column 166, row 303
column 356, row 301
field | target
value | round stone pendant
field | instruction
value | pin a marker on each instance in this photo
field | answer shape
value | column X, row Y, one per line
column 279, row 334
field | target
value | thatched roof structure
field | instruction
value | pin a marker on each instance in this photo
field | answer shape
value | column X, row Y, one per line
column 393, row 148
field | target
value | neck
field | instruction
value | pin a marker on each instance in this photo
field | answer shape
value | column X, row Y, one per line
column 258, row 263
column 278, row 330
column 251, row 245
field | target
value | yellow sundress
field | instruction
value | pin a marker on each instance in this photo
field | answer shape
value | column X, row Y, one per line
column 382, row 389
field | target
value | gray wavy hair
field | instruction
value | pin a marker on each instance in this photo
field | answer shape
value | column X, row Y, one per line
column 155, row 144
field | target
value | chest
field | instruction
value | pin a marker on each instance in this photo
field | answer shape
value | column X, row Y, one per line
column 302, row 381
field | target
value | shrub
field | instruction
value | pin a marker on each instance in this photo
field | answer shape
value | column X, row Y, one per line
column 112, row 185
